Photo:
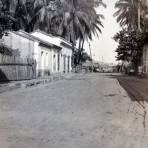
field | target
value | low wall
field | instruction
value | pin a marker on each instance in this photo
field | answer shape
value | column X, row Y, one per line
column 15, row 68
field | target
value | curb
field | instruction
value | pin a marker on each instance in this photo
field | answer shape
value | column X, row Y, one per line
column 29, row 83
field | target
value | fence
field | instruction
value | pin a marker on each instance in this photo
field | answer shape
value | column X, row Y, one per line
column 16, row 68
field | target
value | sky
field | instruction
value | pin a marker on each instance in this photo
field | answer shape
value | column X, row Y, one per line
column 103, row 48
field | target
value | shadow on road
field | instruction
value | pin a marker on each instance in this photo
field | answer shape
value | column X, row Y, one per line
column 137, row 90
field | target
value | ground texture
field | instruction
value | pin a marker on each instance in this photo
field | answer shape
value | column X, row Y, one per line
column 136, row 87
column 84, row 111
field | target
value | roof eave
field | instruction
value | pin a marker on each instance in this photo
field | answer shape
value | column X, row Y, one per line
column 67, row 45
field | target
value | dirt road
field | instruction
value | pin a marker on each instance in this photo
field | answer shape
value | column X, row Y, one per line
column 85, row 111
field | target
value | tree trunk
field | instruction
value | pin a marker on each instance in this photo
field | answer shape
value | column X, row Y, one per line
column 80, row 41
column 83, row 44
column 139, row 15
column 136, row 64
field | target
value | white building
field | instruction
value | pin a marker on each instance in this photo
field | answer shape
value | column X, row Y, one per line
column 16, row 41
column 61, row 59
column 52, row 54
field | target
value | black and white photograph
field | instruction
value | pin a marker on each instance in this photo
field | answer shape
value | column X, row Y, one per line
column 73, row 73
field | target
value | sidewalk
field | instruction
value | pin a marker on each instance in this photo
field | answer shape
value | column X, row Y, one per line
column 34, row 82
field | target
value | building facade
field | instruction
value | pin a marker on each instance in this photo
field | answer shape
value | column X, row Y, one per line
column 19, row 42
column 61, row 59
column 52, row 54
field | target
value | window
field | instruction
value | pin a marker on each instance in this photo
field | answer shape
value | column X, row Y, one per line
column 58, row 61
column 64, row 60
column 68, row 64
column 42, row 60
column 47, row 59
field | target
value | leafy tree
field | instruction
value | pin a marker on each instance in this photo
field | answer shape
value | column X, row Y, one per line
column 85, row 57
column 130, row 45
column 132, row 16
column 81, row 57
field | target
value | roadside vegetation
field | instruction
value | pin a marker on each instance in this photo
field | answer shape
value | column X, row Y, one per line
column 133, row 18
column 74, row 20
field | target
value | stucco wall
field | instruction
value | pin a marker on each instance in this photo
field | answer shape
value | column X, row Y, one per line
column 66, row 54
column 25, row 46
column 44, row 60
column 49, row 59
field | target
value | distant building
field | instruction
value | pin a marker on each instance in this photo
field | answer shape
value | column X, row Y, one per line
column 105, row 67
column 52, row 54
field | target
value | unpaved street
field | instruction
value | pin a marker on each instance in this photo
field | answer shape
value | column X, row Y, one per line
column 85, row 111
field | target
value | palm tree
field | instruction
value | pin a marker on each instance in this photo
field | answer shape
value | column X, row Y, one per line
column 31, row 15
column 26, row 14
column 80, row 22
column 7, row 9
column 71, row 19
column 132, row 13
column 95, row 23
column 127, row 13
column 68, row 18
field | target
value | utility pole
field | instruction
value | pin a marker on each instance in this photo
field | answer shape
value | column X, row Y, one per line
column 91, row 55
column 102, row 59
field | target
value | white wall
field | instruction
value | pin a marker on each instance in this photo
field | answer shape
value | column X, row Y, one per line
column 25, row 46
column 55, row 61
column 47, row 60
column 44, row 59
column 31, row 49
column 66, row 53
